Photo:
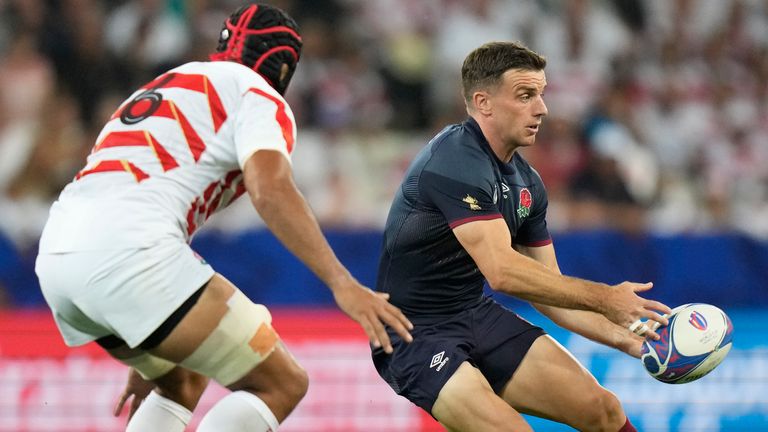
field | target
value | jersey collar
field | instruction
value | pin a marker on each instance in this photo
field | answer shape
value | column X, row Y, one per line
column 506, row 168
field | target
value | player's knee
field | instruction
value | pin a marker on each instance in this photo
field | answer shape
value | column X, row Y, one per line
column 182, row 386
column 284, row 393
column 192, row 388
column 602, row 412
column 289, row 387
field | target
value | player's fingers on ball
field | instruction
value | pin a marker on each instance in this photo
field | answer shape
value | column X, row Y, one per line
column 654, row 325
column 650, row 334
column 661, row 307
column 654, row 316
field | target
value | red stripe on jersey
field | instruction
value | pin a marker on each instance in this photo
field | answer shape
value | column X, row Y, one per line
column 200, row 84
column 538, row 243
column 191, row 226
column 229, row 179
column 456, row 223
column 286, row 125
column 207, row 195
column 114, row 165
column 138, row 138
column 194, row 142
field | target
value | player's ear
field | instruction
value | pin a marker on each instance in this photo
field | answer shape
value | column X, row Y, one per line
column 481, row 102
column 285, row 75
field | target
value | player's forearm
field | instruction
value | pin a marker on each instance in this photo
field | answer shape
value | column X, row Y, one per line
column 591, row 325
column 530, row 280
column 289, row 217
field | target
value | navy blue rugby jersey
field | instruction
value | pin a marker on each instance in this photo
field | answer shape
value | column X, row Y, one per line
column 454, row 180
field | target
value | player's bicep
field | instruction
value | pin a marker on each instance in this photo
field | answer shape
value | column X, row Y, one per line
column 488, row 242
column 265, row 171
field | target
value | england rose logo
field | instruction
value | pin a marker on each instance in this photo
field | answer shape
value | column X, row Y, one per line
column 524, row 208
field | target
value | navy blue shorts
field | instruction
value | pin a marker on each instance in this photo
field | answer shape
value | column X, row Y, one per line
column 489, row 336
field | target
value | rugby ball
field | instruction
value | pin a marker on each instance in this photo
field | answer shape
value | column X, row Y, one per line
column 696, row 340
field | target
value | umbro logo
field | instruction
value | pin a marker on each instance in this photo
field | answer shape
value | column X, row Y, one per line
column 505, row 190
column 439, row 360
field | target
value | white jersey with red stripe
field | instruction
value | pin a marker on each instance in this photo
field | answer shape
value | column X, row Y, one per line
column 169, row 157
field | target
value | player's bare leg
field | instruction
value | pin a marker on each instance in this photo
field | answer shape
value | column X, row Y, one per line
column 277, row 381
column 182, row 386
column 467, row 403
column 165, row 403
column 550, row 383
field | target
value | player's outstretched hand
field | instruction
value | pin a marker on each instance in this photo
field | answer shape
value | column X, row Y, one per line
column 137, row 388
column 633, row 345
column 625, row 308
column 372, row 310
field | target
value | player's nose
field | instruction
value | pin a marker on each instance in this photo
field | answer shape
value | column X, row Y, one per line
column 540, row 108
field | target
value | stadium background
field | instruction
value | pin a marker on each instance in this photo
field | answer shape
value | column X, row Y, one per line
column 655, row 154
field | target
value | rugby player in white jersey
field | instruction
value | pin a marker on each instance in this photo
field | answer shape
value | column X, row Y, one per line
column 115, row 264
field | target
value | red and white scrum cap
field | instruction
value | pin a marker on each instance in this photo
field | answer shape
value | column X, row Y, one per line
column 263, row 38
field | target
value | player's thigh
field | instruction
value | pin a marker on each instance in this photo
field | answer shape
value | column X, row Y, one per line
column 199, row 322
column 551, row 383
column 229, row 338
column 467, row 403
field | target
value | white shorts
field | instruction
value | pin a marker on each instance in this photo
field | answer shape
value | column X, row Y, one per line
column 127, row 293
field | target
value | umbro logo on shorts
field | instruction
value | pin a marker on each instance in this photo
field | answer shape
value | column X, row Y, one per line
column 438, row 360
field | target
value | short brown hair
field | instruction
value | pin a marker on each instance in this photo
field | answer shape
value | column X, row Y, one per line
column 484, row 66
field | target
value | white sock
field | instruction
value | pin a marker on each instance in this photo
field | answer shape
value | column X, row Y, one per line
column 159, row 414
column 239, row 411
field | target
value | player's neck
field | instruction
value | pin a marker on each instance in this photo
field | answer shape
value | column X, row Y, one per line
column 502, row 149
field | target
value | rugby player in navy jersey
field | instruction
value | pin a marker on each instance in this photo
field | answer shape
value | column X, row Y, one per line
column 471, row 210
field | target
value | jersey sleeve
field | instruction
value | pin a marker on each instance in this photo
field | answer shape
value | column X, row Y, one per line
column 461, row 186
column 534, row 232
column 264, row 122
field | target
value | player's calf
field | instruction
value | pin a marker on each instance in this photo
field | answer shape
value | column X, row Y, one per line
column 279, row 381
column 262, row 399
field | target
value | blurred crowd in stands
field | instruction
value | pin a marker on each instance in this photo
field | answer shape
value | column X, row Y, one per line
column 658, row 109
